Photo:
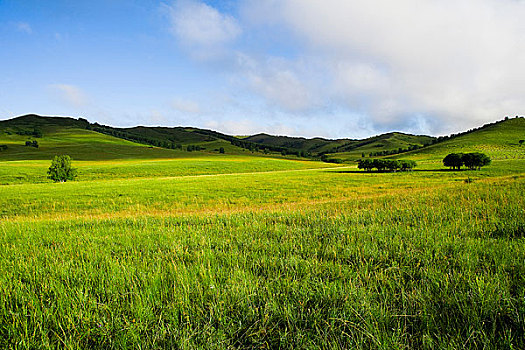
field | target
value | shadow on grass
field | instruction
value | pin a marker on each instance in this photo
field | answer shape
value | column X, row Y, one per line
column 403, row 172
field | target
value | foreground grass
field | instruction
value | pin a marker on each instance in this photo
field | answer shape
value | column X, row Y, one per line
column 420, row 260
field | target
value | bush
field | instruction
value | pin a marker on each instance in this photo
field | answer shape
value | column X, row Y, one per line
column 61, row 170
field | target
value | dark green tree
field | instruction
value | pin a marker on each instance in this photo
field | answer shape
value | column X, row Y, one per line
column 61, row 170
column 221, row 150
column 475, row 160
column 453, row 160
column 366, row 164
column 408, row 165
column 521, row 142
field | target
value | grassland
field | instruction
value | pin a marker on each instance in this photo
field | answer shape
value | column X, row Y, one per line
column 265, row 253
column 99, row 156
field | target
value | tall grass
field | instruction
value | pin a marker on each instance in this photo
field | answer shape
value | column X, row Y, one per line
column 441, row 268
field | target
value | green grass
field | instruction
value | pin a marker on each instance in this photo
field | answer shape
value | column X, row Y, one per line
column 198, row 250
column 440, row 269
column 99, row 156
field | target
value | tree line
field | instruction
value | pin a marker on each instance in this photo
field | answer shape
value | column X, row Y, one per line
column 472, row 161
column 386, row 164
column 394, row 151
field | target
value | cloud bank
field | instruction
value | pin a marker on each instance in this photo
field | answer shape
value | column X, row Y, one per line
column 414, row 65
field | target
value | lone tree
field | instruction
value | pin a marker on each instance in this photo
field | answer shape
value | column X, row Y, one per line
column 61, row 170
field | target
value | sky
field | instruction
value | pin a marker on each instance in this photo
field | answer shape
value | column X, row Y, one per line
column 330, row 68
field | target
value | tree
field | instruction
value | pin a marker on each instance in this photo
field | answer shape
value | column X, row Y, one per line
column 472, row 161
column 61, row 170
column 365, row 164
column 221, row 150
column 453, row 160
column 475, row 160
column 408, row 165
column 521, row 142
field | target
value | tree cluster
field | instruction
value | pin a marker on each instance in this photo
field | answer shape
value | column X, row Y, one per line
column 136, row 138
column 191, row 148
column 472, row 161
column 386, row 164
column 3, row 147
column 36, row 132
column 395, row 151
column 32, row 144
column 256, row 147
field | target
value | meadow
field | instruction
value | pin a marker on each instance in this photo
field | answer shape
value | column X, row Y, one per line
column 258, row 252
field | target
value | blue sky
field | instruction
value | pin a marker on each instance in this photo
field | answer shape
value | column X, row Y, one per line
column 332, row 68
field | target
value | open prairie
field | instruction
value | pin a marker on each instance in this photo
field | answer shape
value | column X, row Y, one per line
column 201, row 250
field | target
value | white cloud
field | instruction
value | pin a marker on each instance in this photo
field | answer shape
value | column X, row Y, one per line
column 291, row 86
column 200, row 28
column 24, row 27
column 411, row 63
column 70, row 95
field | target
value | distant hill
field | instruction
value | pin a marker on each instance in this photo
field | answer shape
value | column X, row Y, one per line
column 347, row 149
column 131, row 142
column 314, row 146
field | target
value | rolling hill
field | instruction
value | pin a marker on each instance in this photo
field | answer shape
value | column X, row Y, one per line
column 75, row 136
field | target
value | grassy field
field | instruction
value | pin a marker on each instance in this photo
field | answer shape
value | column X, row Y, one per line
column 236, row 251
column 98, row 156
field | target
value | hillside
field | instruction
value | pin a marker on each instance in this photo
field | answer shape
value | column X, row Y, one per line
column 85, row 141
column 499, row 140
column 66, row 136
column 384, row 144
